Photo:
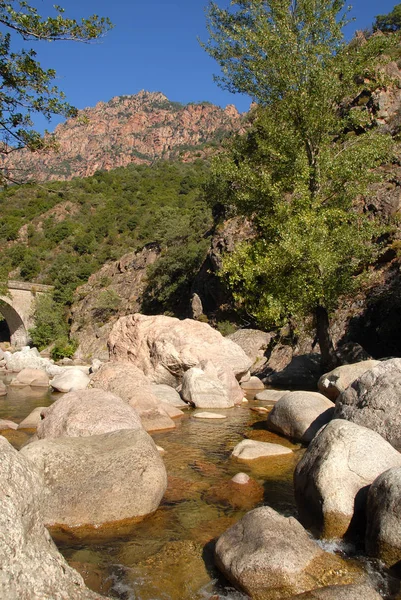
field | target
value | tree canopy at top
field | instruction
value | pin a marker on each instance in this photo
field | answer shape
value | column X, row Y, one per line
column 309, row 152
column 389, row 22
column 26, row 88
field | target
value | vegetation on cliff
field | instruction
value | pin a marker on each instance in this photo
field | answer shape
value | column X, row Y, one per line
column 307, row 157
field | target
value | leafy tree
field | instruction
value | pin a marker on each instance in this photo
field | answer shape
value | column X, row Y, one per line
column 301, row 165
column 27, row 88
column 390, row 22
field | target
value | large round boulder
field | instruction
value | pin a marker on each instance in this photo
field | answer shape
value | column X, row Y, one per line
column 383, row 531
column 30, row 377
column 98, row 479
column 165, row 347
column 168, row 395
column 254, row 343
column 70, row 380
column 87, row 412
column 300, row 415
column 373, row 401
column 31, row 566
column 270, row 556
column 335, row 382
column 127, row 381
column 332, row 478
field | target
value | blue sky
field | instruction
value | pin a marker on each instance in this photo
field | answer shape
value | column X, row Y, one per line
column 153, row 46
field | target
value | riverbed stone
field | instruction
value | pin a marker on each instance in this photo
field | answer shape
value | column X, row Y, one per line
column 373, row 400
column 70, row 380
column 383, row 531
column 31, row 566
column 87, row 412
column 335, row 382
column 332, row 478
column 208, row 415
column 98, row 479
column 3, row 389
column 238, row 492
column 127, row 381
column 270, row 556
column 300, row 415
column 362, row 591
column 252, row 449
column 30, row 377
column 165, row 347
column 33, row 419
column 7, row 424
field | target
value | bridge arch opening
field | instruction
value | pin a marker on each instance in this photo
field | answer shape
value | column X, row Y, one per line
column 18, row 335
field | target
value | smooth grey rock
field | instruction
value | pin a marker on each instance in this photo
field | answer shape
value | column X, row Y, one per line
column 87, row 412
column 169, row 395
column 99, row 479
column 383, row 512
column 254, row 343
column 335, row 382
column 225, row 375
column 332, row 478
column 241, row 478
column 33, row 419
column 70, row 381
column 203, row 391
column 300, row 415
column 253, row 383
column 251, row 449
column 373, row 401
column 270, row 557
column 31, row 566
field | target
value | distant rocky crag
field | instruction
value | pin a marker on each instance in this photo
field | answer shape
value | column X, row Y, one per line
column 137, row 129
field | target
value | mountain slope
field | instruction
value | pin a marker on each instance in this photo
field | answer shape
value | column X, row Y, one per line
column 128, row 129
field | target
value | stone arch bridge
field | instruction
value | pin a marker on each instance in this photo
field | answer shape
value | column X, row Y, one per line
column 17, row 308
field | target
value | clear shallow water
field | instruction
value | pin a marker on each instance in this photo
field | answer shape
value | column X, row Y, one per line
column 169, row 555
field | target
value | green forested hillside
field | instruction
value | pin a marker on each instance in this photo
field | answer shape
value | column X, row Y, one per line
column 60, row 233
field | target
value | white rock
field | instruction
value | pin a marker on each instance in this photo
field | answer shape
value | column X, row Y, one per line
column 251, row 449
column 70, row 381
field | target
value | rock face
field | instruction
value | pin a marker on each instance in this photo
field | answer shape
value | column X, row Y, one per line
column 300, row 415
column 127, row 280
column 165, row 347
column 254, row 343
column 270, row 556
column 127, row 129
column 383, row 531
column 123, row 469
column 334, row 383
column 31, row 566
column 87, row 412
column 332, row 478
column 373, row 401
column 129, row 383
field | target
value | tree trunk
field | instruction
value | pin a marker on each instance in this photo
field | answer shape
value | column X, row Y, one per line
column 329, row 358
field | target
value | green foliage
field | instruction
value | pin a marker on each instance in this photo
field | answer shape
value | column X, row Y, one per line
column 50, row 323
column 27, row 88
column 63, row 348
column 297, row 171
column 390, row 22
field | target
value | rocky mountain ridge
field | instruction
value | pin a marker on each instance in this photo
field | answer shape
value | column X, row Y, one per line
column 139, row 129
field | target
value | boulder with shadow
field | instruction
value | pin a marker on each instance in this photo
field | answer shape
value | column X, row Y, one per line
column 332, row 479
